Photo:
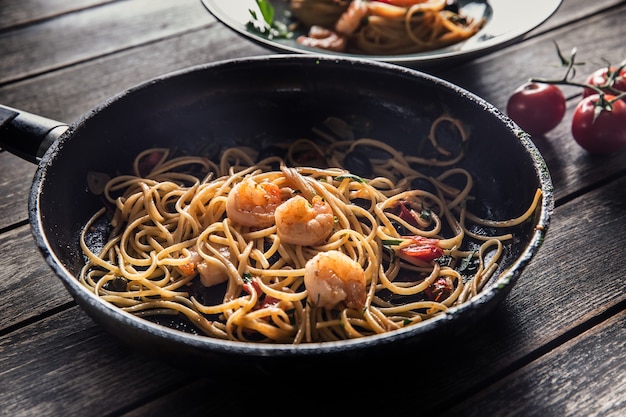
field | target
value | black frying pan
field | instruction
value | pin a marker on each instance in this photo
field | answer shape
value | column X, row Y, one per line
column 256, row 101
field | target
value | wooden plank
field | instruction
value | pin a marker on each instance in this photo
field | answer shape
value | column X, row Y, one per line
column 61, row 97
column 572, row 10
column 51, row 44
column 22, row 12
column 28, row 285
column 585, row 376
column 15, row 179
column 85, row 372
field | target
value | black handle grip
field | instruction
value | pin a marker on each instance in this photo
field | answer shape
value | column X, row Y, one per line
column 27, row 135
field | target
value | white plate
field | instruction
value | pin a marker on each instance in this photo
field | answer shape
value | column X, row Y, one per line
column 507, row 21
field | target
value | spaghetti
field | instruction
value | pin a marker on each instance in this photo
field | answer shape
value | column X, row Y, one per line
column 269, row 250
column 385, row 27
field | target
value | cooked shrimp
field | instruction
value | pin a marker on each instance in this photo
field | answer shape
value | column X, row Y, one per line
column 253, row 204
column 210, row 273
column 215, row 272
column 323, row 38
column 302, row 223
column 332, row 278
column 347, row 24
column 350, row 20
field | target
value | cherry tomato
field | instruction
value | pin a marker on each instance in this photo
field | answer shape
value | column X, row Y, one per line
column 602, row 133
column 599, row 78
column 422, row 249
column 440, row 289
column 536, row 107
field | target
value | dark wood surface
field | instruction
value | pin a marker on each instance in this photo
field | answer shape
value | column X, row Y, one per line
column 556, row 346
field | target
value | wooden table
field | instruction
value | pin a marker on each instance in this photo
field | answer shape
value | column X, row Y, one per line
column 555, row 347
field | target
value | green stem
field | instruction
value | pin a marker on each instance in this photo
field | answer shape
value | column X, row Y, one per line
column 567, row 82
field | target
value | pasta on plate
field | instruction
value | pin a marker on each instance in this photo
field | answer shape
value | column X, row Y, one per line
column 294, row 247
column 385, row 27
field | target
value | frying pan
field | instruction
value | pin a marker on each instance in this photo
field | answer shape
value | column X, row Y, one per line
column 253, row 102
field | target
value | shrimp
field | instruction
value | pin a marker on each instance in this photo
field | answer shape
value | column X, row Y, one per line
column 302, row 223
column 253, row 204
column 350, row 20
column 323, row 38
column 210, row 274
column 332, row 278
column 337, row 39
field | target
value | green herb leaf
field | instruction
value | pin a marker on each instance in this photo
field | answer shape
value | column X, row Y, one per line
column 267, row 25
column 352, row 177
column 467, row 263
column 392, row 242
column 267, row 10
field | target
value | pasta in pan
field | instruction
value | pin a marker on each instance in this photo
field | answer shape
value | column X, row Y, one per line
column 270, row 250
column 389, row 27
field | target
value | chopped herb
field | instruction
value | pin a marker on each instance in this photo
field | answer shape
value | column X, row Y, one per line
column 392, row 253
column 387, row 245
column 352, row 177
column 444, row 260
column 266, row 24
column 392, row 242
column 468, row 263
column 247, row 277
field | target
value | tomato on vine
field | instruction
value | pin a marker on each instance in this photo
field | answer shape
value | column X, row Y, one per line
column 611, row 80
column 599, row 120
column 537, row 107
column 599, row 124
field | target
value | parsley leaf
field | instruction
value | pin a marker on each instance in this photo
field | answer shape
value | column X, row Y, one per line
column 266, row 23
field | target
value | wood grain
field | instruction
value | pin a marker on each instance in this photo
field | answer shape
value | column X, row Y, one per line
column 87, row 34
column 86, row 372
column 595, row 360
column 16, row 13
column 555, row 346
column 15, row 179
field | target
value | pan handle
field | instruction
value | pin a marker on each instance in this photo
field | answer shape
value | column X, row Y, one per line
column 27, row 135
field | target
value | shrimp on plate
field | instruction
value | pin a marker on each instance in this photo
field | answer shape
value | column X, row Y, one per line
column 337, row 39
column 320, row 37
column 332, row 278
column 351, row 19
column 253, row 204
column 305, row 223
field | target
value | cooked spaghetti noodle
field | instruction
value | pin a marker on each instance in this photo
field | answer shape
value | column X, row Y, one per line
column 268, row 250
column 390, row 27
